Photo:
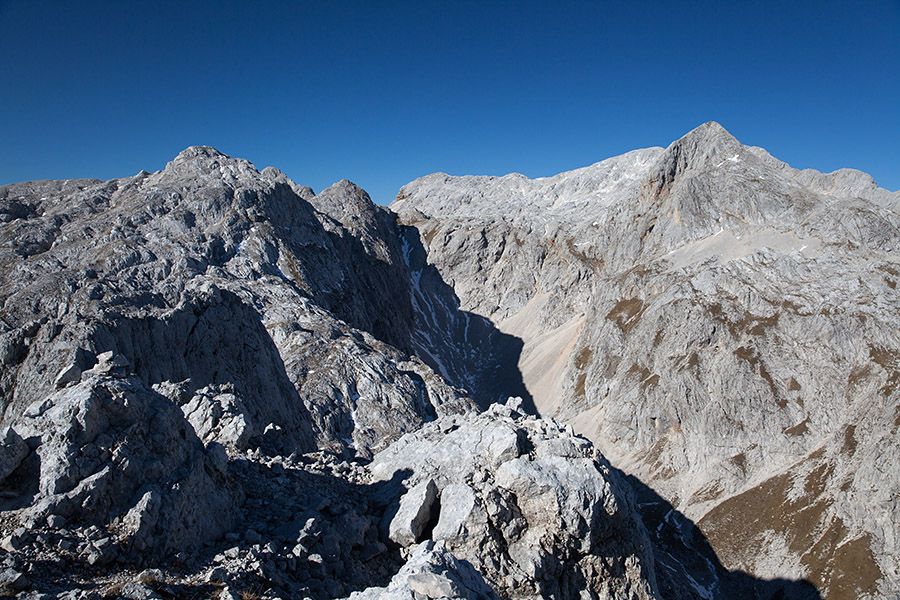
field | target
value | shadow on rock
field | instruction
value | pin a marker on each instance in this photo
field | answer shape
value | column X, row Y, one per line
column 216, row 343
column 308, row 527
column 467, row 349
column 688, row 567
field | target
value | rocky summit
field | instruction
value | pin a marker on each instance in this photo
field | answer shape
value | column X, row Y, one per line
column 672, row 374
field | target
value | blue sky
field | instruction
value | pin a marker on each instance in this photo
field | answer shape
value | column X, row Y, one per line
column 383, row 92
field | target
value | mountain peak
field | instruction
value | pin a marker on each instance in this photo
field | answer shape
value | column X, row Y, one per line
column 345, row 191
column 192, row 152
column 711, row 127
column 694, row 150
column 342, row 200
column 710, row 137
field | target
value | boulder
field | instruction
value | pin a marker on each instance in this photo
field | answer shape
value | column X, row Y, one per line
column 432, row 572
column 532, row 523
column 13, row 451
column 68, row 374
column 414, row 513
column 113, row 453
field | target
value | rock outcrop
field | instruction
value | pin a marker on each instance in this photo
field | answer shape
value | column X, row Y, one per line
column 164, row 334
column 432, row 572
column 721, row 325
column 530, row 505
column 114, row 454
column 229, row 291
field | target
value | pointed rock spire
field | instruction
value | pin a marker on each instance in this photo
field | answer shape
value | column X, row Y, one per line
column 692, row 151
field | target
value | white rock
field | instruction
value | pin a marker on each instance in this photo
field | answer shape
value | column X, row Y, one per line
column 413, row 514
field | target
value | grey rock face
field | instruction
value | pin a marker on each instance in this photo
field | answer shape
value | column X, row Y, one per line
column 247, row 300
column 114, row 454
column 414, row 513
column 68, row 374
column 173, row 342
column 531, row 507
column 722, row 326
column 13, row 451
column 432, row 572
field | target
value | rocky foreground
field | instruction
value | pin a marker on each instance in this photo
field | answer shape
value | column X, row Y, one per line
column 216, row 383
column 467, row 505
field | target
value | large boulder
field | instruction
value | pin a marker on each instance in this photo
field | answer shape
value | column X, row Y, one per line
column 13, row 451
column 115, row 454
column 531, row 506
column 414, row 514
column 432, row 572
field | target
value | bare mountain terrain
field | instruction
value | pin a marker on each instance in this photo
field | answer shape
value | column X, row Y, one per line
column 198, row 367
column 723, row 327
column 672, row 374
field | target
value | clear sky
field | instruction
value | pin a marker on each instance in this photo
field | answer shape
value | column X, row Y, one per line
column 383, row 92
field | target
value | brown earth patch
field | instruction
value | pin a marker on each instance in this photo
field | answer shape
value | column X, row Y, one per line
column 610, row 364
column 889, row 360
column 849, row 447
column 582, row 358
column 579, row 384
column 626, row 313
column 749, row 354
column 858, row 375
column 710, row 491
column 798, row 429
column 839, row 568
column 740, row 461
column 646, row 377
column 747, row 323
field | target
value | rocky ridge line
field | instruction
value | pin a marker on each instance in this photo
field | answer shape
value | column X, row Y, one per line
column 198, row 365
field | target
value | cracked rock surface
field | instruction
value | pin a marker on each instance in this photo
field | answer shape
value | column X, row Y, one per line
column 198, row 367
column 530, row 505
column 722, row 326
column 225, row 288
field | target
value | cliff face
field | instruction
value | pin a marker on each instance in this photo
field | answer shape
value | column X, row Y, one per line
column 218, row 284
column 197, row 367
column 722, row 326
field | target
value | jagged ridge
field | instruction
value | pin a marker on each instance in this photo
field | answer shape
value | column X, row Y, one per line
column 197, row 365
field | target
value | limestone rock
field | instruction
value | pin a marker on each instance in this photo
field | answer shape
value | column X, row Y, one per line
column 12, row 579
column 413, row 514
column 246, row 299
column 109, row 363
column 720, row 325
column 13, row 451
column 531, row 525
column 114, row 453
column 218, row 333
column 68, row 374
column 432, row 572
